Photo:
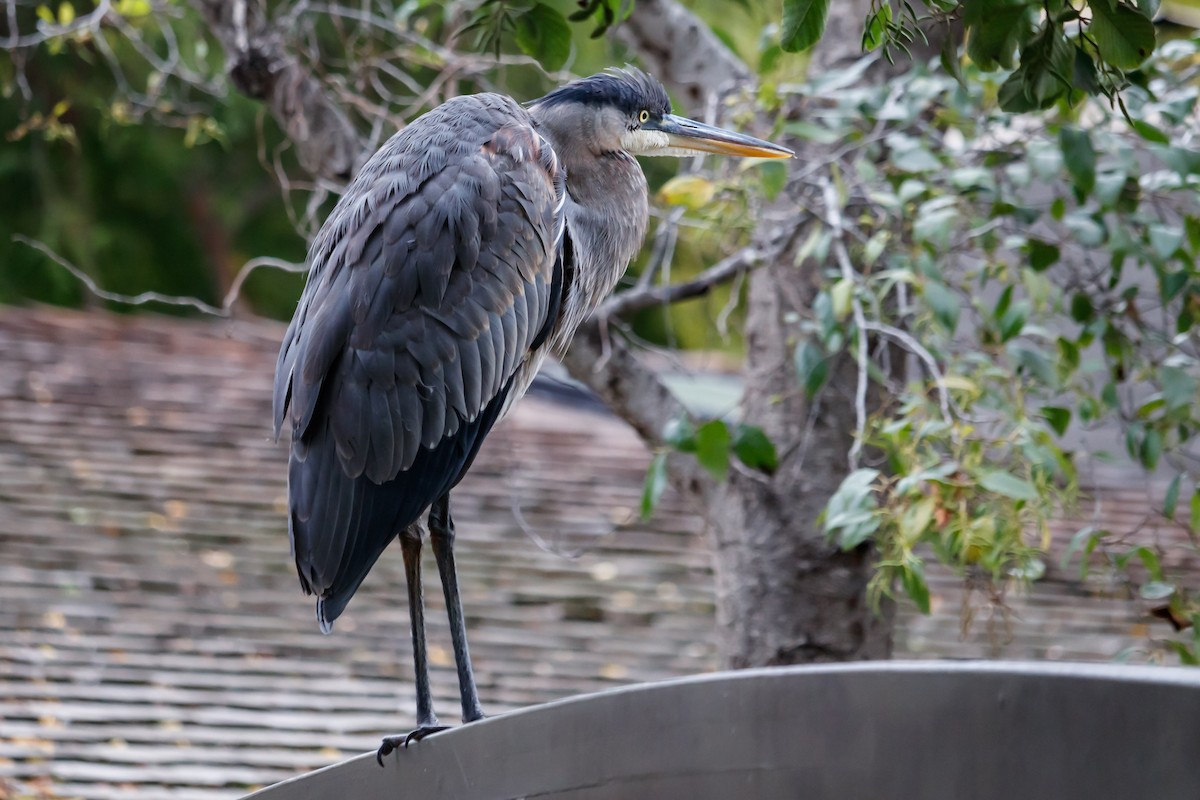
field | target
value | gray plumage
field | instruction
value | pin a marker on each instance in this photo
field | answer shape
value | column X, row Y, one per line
column 471, row 244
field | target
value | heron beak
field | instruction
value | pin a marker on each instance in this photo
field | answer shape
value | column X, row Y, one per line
column 687, row 134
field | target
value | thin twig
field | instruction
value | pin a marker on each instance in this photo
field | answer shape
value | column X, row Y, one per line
column 834, row 220
column 89, row 21
column 640, row 298
column 916, row 348
column 223, row 310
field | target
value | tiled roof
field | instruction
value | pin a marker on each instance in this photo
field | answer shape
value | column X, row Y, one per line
column 154, row 642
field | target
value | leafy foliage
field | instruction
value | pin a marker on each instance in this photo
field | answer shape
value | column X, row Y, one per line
column 1052, row 51
column 803, row 23
column 714, row 444
column 1041, row 270
column 538, row 29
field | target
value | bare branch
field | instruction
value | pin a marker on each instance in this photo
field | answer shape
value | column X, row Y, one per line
column 223, row 310
column 260, row 67
column 46, row 32
column 834, row 219
column 643, row 297
column 683, row 52
column 610, row 368
column 908, row 341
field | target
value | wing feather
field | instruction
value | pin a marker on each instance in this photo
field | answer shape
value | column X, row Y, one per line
column 428, row 286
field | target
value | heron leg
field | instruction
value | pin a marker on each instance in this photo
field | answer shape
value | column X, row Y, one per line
column 427, row 721
column 441, row 536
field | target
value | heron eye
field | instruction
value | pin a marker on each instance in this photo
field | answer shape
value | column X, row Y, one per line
column 643, row 116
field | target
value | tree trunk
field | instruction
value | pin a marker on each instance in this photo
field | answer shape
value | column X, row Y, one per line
column 785, row 594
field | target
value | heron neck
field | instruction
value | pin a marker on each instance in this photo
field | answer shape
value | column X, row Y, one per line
column 607, row 210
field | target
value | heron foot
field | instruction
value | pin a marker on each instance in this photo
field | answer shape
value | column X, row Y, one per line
column 392, row 743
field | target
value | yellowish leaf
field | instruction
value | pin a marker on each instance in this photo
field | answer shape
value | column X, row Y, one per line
column 690, row 191
column 133, row 8
column 842, row 295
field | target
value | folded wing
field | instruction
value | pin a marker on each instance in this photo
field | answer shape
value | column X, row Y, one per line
column 430, row 284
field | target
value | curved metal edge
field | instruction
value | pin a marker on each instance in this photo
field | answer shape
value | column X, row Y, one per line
column 362, row 777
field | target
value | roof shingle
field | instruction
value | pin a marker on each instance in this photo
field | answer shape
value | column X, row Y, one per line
column 154, row 642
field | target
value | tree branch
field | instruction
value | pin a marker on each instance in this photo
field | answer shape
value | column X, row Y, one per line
column 261, row 68
column 683, row 52
column 635, row 393
column 223, row 310
column 643, row 297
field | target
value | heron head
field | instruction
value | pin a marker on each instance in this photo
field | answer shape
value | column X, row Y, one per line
column 626, row 109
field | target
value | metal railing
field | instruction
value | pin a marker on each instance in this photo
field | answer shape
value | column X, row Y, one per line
column 921, row 730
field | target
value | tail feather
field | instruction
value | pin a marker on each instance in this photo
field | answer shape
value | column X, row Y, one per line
column 340, row 526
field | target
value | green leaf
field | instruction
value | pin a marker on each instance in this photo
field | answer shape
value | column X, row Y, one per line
column 1124, row 36
column 1150, row 561
column 680, row 434
column 1007, row 484
column 1150, row 133
column 1194, row 516
column 1192, row 226
column 656, row 482
column 1178, row 387
column 842, row 295
column 803, row 23
column 916, row 519
column 1150, row 7
column 1083, row 72
column 1165, row 239
column 912, row 578
column 812, row 366
column 712, row 447
column 1068, row 355
column 935, row 221
column 1041, row 254
column 1156, row 590
column 1171, row 500
column 542, row 32
column 995, row 29
column 1079, row 157
column 133, row 8
column 850, row 516
column 1187, row 656
column 943, row 303
column 1084, row 540
column 1058, row 418
column 1151, row 450
column 774, row 178
column 1082, row 309
column 693, row 192
column 1013, row 97
column 951, row 61
column 754, row 449
column 1183, row 160
column 1045, row 71
column 1013, row 320
column 875, row 31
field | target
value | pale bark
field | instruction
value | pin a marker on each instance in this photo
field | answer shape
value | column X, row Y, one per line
column 683, row 52
column 261, row 67
column 785, row 595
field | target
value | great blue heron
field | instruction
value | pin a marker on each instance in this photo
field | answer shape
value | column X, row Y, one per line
column 474, row 242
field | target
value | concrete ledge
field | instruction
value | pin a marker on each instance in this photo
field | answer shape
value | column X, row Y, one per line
column 921, row 730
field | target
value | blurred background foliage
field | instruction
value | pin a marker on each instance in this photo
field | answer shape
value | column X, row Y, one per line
column 174, row 191
column 1040, row 267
